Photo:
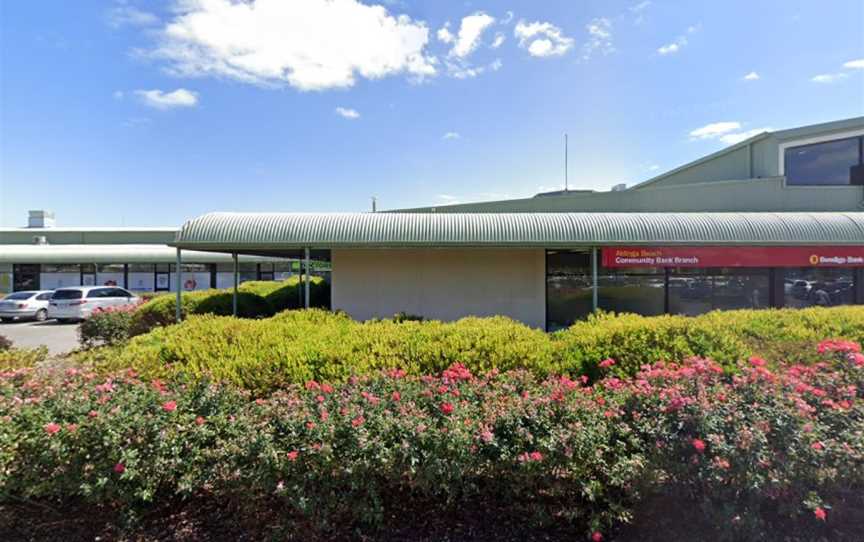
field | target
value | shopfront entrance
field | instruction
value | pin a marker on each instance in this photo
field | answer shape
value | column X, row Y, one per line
column 695, row 280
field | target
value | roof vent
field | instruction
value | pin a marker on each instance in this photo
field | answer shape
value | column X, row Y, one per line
column 40, row 219
column 40, row 240
column 619, row 187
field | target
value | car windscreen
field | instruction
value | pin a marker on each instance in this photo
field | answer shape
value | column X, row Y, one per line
column 67, row 294
column 19, row 295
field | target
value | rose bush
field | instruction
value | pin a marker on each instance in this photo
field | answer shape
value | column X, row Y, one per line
column 107, row 325
column 759, row 453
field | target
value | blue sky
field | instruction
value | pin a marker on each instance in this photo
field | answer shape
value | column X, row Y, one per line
column 150, row 112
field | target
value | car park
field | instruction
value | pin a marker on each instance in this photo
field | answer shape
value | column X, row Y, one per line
column 26, row 305
column 78, row 303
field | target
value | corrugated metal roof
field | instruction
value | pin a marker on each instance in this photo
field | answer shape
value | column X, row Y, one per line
column 60, row 254
column 224, row 231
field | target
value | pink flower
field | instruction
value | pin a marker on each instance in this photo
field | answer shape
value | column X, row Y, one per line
column 320, row 398
column 396, row 396
column 52, row 428
column 327, row 388
column 93, row 414
column 200, row 420
column 535, row 456
column 312, row 385
column 310, row 425
column 72, row 427
column 292, row 455
column 817, row 446
column 324, row 415
column 699, row 444
column 119, row 468
column 756, row 361
column 358, row 421
column 820, row 514
column 596, row 536
column 606, row 363
column 169, row 406
column 446, row 408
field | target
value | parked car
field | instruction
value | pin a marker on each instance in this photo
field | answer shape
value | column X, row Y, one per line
column 26, row 305
column 78, row 303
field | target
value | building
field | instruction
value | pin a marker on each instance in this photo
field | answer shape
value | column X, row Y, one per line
column 774, row 221
column 43, row 256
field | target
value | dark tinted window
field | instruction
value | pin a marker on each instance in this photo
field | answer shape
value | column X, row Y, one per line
column 119, row 292
column 67, row 294
column 100, row 292
column 822, row 164
column 19, row 296
column 44, row 297
column 827, row 287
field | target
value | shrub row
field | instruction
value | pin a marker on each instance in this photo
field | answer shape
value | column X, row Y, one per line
column 764, row 454
column 255, row 299
column 300, row 345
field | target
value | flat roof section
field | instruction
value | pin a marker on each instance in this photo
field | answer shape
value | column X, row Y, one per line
column 60, row 254
column 263, row 232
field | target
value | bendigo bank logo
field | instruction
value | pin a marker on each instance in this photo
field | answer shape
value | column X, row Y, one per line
column 814, row 260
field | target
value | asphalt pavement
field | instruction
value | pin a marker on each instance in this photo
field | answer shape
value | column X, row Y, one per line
column 59, row 338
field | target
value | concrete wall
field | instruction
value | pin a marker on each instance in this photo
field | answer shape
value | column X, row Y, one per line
column 441, row 284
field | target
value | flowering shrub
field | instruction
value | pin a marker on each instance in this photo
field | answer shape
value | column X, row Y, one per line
column 759, row 452
column 107, row 325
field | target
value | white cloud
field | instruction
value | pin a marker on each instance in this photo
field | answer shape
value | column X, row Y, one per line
column 854, row 64
column 444, row 35
column 130, row 16
column 347, row 113
column 752, row 76
column 680, row 42
column 731, row 139
column 307, row 44
column 542, row 39
column 470, row 31
column 508, row 17
column 636, row 8
column 728, row 132
column 159, row 99
column 599, row 38
column 828, row 78
column 451, row 135
column 714, row 130
column 499, row 40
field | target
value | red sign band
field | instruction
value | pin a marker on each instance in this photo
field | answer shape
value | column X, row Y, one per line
column 734, row 256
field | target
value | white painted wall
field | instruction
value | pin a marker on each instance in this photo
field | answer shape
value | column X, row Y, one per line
column 444, row 284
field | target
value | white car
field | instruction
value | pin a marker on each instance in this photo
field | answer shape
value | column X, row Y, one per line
column 30, row 304
column 78, row 303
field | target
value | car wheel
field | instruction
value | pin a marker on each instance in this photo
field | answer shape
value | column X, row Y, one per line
column 41, row 315
column 6, row 320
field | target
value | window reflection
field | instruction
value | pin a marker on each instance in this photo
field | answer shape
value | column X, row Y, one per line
column 822, row 164
column 805, row 287
column 697, row 291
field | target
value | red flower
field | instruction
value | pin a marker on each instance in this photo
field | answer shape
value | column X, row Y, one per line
column 119, row 468
column 756, row 361
column 817, row 446
column 699, row 444
column 320, row 398
column 310, row 425
column 92, row 413
column 606, row 363
column 292, row 455
column 51, row 428
column 396, row 396
column 312, row 385
column 535, row 456
column 169, row 406
column 326, row 388
column 446, row 408
column 358, row 421
column 820, row 513
column 597, row 536
column 199, row 420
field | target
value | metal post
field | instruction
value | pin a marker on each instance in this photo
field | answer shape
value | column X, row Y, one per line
column 594, row 297
column 306, row 284
column 177, row 309
column 236, row 273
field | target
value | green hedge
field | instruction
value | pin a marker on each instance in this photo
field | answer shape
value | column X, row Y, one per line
column 296, row 346
column 255, row 299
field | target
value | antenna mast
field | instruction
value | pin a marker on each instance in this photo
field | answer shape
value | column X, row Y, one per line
column 566, row 180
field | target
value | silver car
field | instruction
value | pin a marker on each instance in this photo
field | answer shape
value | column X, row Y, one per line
column 26, row 305
column 79, row 302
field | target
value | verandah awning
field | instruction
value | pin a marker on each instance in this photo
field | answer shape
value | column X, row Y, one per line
column 264, row 232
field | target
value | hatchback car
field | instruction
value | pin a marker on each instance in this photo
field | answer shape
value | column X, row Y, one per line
column 78, row 303
column 26, row 305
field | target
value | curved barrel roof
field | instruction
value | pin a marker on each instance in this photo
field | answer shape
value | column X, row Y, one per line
column 60, row 254
column 268, row 231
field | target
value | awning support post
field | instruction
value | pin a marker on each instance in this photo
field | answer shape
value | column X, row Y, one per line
column 594, row 297
column 306, row 280
column 177, row 309
column 236, row 279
